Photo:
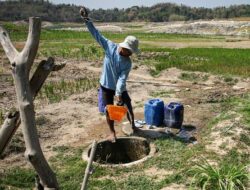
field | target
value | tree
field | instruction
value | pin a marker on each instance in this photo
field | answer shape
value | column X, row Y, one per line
column 21, row 63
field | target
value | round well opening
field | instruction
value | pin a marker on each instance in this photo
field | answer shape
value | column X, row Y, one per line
column 125, row 151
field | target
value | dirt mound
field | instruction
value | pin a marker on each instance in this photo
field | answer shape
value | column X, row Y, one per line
column 213, row 27
column 203, row 27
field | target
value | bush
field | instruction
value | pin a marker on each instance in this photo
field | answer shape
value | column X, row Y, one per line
column 175, row 17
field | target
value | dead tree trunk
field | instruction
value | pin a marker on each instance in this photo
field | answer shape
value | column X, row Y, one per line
column 21, row 64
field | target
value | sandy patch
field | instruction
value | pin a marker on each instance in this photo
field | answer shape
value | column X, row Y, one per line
column 157, row 174
column 223, row 136
column 175, row 187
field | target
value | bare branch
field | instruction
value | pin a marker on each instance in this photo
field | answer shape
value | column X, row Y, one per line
column 8, row 129
column 40, row 75
column 31, row 46
column 8, row 47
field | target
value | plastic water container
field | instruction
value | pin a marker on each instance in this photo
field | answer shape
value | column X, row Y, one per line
column 173, row 115
column 101, row 106
column 116, row 113
column 154, row 112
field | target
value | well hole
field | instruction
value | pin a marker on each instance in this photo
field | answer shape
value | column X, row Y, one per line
column 124, row 151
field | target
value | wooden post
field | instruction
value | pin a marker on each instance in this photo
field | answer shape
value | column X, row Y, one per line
column 88, row 168
column 21, row 64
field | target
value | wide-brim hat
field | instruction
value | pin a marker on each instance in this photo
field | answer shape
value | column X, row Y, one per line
column 131, row 43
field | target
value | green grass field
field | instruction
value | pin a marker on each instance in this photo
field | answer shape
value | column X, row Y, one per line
column 211, row 60
column 81, row 46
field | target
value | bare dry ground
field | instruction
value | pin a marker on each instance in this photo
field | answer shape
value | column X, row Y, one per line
column 76, row 122
column 203, row 27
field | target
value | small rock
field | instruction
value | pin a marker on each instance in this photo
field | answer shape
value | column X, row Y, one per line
column 238, row 88
column 208, row 88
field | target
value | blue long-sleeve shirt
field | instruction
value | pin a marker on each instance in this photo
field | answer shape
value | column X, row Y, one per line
column 115, row 67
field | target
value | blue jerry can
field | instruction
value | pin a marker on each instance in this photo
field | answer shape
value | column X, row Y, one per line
column 173, row 115
column 154, row 112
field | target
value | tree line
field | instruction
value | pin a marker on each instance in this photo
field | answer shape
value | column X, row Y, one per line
column 13, row 10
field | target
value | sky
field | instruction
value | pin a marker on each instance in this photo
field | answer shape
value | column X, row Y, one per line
column 105, row 4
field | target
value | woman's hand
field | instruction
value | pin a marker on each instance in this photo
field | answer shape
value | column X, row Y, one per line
column 84, row 13
column 119, row 100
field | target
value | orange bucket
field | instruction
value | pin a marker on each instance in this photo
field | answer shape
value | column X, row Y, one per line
column 116, row 112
